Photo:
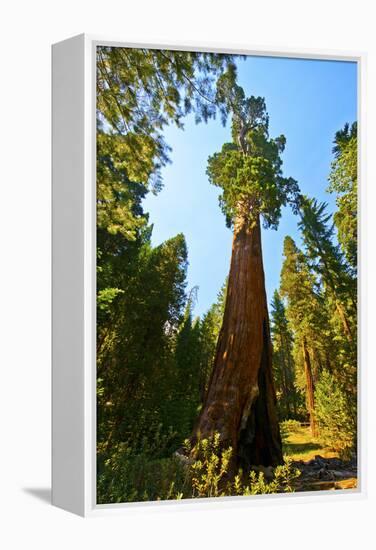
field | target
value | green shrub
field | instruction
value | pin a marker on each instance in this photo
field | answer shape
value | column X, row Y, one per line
column 210, row 477
column 336, row 415
column 282, row 481
column 127, row 478
column 207, row 472
column 140, row 468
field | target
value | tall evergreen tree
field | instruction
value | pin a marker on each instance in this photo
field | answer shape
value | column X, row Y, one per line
column 210, row 326
column 283, row 362
column 135, row 354
column 343, row 180
column 240, row 401
column 305, row 313
column 186, row 388
column 328, row 262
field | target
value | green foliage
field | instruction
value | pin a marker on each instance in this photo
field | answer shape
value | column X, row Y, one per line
column 289, row 425
column 321, row 294
column 135, row 341
column 106, row 297
column 247, row 113
column 140, row 91
column 249, row 170
column 127, row 478
column 321, row 311
column 186, row 397
column 324, row 255
column 308, row 319
column 338, row 288
column 288, row 397
column 343, row 180
column 140, row 468
column 336, row 414
column 209, row 467
column 210, row 326
column 305, row 309
column 121, row 184
column 210, row 476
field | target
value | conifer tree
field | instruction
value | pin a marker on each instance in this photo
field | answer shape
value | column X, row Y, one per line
column 210, row 326
column 305, row 314
column 328, row 262
column 186, row 387
column 240, row 403
column 283, row 362
column 135, row 353
column 343, row 180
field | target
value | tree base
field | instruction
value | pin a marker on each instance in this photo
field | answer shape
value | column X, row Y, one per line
column 260, row 440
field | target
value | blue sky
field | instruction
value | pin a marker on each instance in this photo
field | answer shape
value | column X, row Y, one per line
column 307, row 101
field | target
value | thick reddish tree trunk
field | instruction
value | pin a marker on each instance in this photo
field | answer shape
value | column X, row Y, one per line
column 309, row 389
column 240, row 402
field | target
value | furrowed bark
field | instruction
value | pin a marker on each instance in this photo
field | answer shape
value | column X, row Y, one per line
column 240, row 402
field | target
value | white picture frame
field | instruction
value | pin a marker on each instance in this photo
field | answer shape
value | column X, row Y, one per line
column 74, row 278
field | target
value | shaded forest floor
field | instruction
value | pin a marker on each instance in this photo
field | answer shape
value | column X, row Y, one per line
column 320, row 466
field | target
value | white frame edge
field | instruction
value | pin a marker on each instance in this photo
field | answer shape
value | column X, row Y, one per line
column 74, row 280
column 68, row 174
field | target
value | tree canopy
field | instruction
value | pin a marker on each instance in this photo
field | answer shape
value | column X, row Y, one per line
column 343, row 180
column 249, row 169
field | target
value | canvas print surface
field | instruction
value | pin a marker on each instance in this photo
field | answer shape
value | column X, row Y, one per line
column 226, row 275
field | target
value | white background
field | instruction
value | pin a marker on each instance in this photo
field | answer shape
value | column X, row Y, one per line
column 27, row 30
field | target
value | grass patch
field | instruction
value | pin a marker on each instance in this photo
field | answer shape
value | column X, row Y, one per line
column 298, row 444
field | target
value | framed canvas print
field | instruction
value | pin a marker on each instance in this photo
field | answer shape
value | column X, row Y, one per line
column 205, row 275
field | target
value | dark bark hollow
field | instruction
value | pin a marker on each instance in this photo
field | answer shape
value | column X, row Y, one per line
column 240, row 402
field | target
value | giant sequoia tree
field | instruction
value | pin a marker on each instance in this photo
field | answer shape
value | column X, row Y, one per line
column 240, row 402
